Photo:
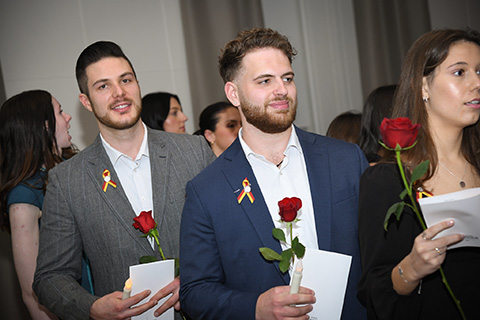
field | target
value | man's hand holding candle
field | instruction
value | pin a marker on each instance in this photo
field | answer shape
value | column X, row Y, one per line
column 279, row 303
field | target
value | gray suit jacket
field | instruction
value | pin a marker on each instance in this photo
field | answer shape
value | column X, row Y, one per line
column 78, row 215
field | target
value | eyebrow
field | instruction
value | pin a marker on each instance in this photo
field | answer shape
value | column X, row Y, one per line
column 457, row 63
column 290, row 73
column 123, row 75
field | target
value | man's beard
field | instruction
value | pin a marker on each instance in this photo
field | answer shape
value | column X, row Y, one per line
column 273, row 122
column 107, row 121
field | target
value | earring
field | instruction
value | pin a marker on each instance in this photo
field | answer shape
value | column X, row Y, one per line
column 425, row 99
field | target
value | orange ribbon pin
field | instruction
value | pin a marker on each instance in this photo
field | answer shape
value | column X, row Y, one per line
column 107, row 180
column 247, row 190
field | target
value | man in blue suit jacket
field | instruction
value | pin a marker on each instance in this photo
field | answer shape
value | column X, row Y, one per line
column 223, row 275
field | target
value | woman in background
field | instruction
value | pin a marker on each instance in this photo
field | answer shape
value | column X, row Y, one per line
column 162, row 111
column 379, row 105
column 346, row 127
column 219, row 124
column 33, row 139
column 439, row 88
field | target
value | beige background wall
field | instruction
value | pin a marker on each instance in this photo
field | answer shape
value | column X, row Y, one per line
column 41, row 41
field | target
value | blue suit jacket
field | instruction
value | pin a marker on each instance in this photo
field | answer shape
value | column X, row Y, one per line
column 222, row 271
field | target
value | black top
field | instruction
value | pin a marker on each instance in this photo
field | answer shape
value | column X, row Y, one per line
column 382, row 250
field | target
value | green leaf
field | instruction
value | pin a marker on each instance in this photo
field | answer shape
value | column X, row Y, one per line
column 294, row 242
column 287, row 254
column 299, row 249
column 420, row 170
column 398, row 213
column 284, row 265
column 397, row 209
column 286, row 258
column 403, row 194
column 147, row 259
column 279, row 234
column 269, row 254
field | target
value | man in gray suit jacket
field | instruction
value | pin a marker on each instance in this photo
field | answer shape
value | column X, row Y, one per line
column 91, row 200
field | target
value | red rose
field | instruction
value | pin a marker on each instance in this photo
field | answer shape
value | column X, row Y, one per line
column 399, row 131
column 288, row 208
column 144, row 222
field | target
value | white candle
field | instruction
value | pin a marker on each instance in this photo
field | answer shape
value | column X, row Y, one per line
column 296, row 277
column 127, row 289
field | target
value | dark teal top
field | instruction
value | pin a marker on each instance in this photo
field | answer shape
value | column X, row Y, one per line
column 31, row 191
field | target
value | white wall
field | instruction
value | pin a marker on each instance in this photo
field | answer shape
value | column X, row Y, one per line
column 41, row 41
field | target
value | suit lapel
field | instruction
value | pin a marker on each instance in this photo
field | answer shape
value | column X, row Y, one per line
column 159, row 171
column 237, row 168
column 318, row 168
column 115, row 197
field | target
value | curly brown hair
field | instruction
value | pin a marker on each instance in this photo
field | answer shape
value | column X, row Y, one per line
column 247, row 40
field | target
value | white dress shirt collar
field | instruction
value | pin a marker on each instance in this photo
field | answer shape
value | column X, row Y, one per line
column 293, row 142
column 114, row 154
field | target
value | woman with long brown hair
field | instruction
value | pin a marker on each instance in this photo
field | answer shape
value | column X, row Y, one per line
column 439, row 88
column 33, row 139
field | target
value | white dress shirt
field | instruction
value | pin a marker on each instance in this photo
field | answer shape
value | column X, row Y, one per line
column 289, row 180
column 135, row 175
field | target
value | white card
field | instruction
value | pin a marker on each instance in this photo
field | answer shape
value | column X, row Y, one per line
column 152, row 276
column 326, row 273
column 463, row 207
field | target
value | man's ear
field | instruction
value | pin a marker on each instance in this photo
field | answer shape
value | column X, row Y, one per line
column 231, row 91
column 85, row 101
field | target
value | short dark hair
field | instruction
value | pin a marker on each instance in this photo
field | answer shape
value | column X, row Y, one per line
column 94, row 53
column 246, row 41
column 155, row 108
